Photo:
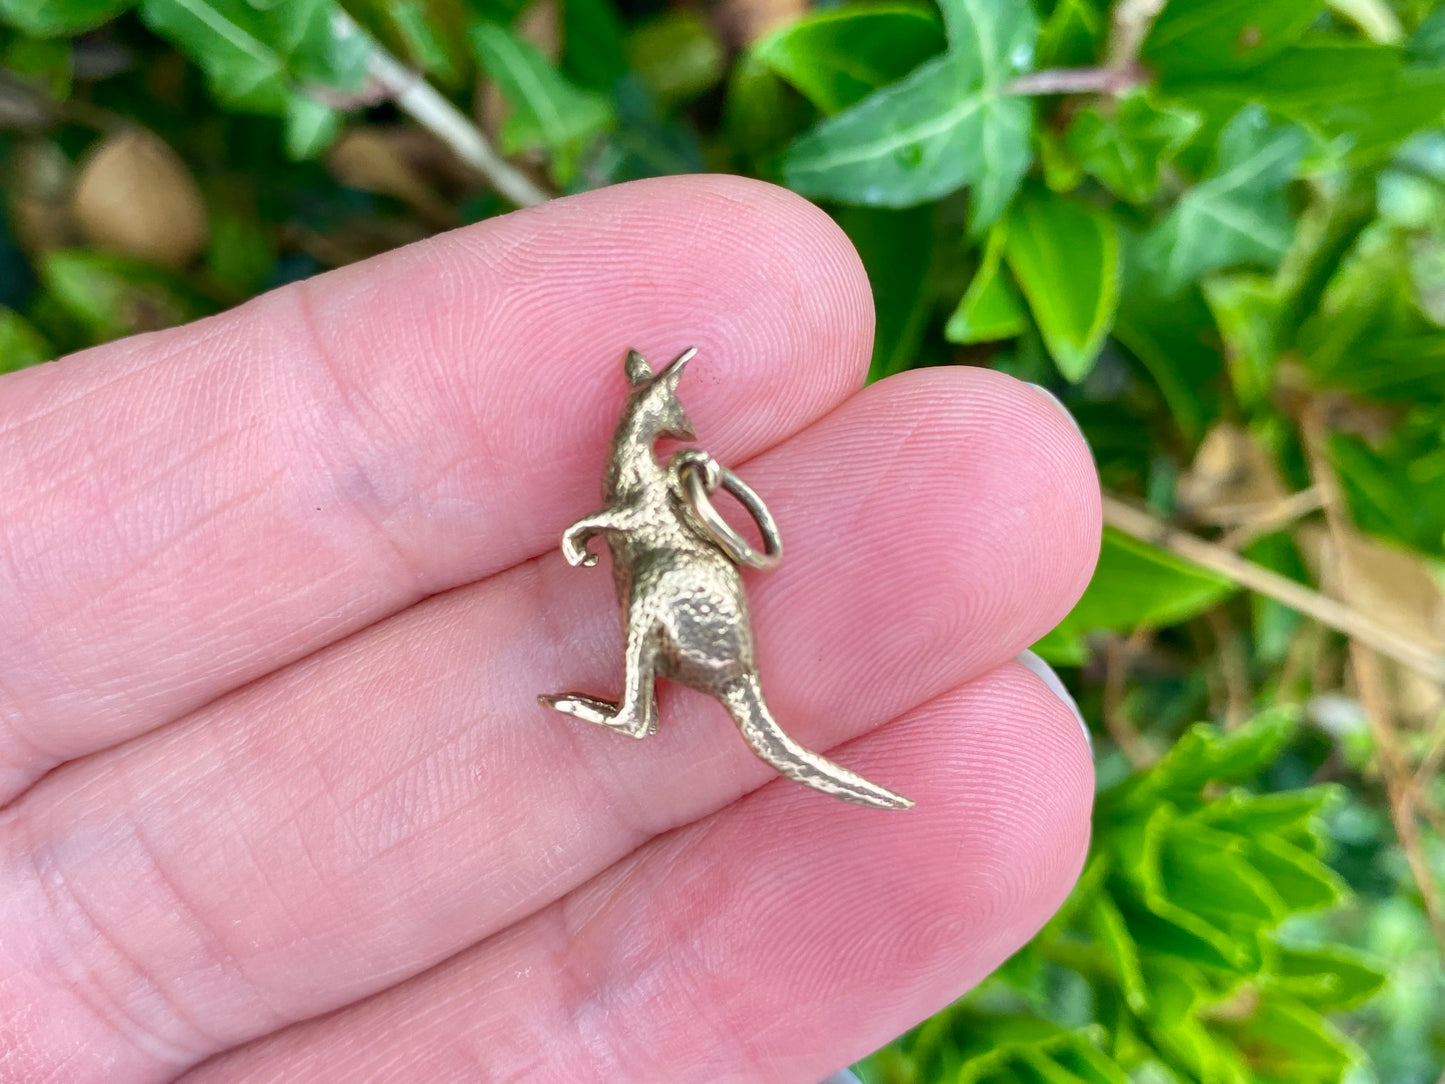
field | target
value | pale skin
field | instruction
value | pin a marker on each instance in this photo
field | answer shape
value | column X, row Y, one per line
column 278, row 591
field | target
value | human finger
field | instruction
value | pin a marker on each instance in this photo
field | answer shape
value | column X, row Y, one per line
column 183, row 512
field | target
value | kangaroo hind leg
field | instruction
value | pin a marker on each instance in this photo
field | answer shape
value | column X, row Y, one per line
column 744, row 700
column 637, row 714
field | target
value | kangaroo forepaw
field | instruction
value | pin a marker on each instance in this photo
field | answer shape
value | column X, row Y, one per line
column 574, row 548
column 593, row 710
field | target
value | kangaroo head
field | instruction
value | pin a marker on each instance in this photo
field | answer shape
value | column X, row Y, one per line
column 653, row 398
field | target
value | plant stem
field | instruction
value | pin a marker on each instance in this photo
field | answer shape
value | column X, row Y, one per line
column 1327, row 611
column 1078, row 81
column 1369, row 678
column 419, row 100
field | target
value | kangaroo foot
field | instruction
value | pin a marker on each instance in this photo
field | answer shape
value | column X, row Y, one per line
column 591, row 709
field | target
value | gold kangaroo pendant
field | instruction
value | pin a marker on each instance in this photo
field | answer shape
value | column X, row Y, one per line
column 675, row 564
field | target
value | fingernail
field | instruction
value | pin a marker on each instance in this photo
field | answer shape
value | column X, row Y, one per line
column 1058, row 405
column 1056, row 686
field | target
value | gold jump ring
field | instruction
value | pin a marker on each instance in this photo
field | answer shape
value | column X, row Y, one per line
column 701, row 475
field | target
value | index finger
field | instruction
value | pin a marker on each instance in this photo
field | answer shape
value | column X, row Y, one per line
column 183, row 512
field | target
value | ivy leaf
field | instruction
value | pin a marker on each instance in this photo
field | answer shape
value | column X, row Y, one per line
column 1072, row 35
column 946, row 125
column 991, row 308
column 20, row 343
column 1235, row 216
column 1206, row 38
column 56, row 18
column 263, row 59
column 837, row 57
column 546, row 111
column 1126, row 146
column 1048, row 234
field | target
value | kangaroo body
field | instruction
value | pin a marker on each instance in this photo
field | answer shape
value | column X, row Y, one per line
column 685, row 614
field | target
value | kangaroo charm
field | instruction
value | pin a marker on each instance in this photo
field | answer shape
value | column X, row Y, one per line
column 675, row 566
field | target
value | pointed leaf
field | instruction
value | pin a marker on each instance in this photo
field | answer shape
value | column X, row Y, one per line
column 945, row 126
column 546, row 111
column 991, row 308
column 1135, row 585
column 1074, row 310
column 56, row 18
column 1125, row 146
column 1206, row 38
column 20, row 343
column 837, row 57
column 1235, row 216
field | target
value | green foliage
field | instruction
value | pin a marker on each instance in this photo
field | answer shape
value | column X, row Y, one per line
column 1227, row 218
column 546, row 111
column 946, row 125
column 1177, row 931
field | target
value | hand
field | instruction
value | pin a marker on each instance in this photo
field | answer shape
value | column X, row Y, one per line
column 279, row 590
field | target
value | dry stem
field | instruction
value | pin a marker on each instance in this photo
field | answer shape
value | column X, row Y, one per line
column 419, row 100
column 1374, row 697
column 1327, row 611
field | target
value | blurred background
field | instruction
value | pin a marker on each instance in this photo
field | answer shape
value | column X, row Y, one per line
column 1214, row 228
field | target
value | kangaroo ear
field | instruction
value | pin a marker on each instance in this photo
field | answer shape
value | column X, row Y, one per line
column 637, row 369
column 673, row 373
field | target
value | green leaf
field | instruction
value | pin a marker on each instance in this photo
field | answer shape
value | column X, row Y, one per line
column 1125, row 144
column 991, row 308
column 1246, row 307
column 1206, row 755
column 263, row 58
column 1206, row 38
column 1173, row 338
column 1065, row 257
column 1073, row 34
column 897, row 251
column 1357, row 93
column 1112, row 933
column 762, row 112
column 594, row 50
column 837, row 57
column 1135, row 585
column 946, row 125
column 545, row 111
column 1295, row 816
column 20, row 343
column 1235, row 216
column 311, row 126
column 56, row 18
column 112, row 296
column 1286, row 1039
column 1302, row 881
column 677, row 55
column 1326, row 977
column 44, row 61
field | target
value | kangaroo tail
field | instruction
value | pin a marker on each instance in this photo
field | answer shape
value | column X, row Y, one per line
column 744, row 701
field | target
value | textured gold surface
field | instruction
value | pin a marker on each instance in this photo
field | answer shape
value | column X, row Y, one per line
column 675, row 567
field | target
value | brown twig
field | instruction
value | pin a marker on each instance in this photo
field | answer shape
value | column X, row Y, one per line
column 1119, row 653
column 1233, row 667
column 419, row 100
column 1078, row 81
column 1369, row 678
column 1327, row 611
